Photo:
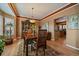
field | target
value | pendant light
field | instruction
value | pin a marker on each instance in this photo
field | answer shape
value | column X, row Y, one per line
column 32, row 20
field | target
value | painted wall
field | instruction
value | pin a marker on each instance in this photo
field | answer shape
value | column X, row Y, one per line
column 72, row 37
column 50, row 22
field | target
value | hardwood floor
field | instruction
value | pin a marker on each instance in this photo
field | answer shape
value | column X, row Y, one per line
column 10, row 50
column 60, row 46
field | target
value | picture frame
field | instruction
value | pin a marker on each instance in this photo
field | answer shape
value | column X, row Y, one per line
column 73, row 22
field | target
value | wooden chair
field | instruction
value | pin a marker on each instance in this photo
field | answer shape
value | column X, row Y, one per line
column 24, row 34
column 49, row 35
column 28, row 40
column 41, row 42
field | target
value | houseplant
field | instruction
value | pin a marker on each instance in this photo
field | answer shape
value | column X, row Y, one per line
column 2, row 44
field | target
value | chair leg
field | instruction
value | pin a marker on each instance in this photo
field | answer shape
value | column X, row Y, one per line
column 31, row 47
column 24, row 49
column 27, row 48
column 36, row 52
column 44, row 51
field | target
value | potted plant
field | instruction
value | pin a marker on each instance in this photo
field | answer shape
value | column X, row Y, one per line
column 9, row 39
column 2, row 44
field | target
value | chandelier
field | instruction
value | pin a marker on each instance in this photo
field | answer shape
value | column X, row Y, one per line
column 32, row 20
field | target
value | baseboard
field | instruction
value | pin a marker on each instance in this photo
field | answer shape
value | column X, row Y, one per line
column 72, row 47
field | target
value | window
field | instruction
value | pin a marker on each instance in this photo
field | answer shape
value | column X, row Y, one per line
column 60, row 27
column 9, row 23
column 1, row 25
column 46, row 26
column 64, row 26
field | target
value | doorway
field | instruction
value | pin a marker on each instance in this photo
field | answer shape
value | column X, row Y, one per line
column 60, row 29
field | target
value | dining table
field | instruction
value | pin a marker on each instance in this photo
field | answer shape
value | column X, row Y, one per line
column 27, row 39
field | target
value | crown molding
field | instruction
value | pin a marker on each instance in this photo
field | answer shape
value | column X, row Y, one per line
column 26, row 17
column 13, row 8
column 65, row 7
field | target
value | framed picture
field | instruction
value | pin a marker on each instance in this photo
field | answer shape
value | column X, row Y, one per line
column 73, row 22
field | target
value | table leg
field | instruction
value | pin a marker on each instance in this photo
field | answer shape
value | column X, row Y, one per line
column 26, row 47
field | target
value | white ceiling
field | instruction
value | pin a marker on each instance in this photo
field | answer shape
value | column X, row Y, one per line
column 40, row 9
column 5, row 7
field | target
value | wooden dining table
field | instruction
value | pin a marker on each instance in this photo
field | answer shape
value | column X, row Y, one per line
column 27, row 41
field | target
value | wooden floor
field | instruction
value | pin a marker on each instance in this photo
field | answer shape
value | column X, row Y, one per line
column 58, row 45
column 10, row 50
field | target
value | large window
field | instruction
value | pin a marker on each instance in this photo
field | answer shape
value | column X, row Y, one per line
column 9, row 25
column 45, row 26
column 1, row 25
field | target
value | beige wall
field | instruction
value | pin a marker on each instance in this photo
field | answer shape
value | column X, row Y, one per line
column 72, row 38
column 77, row 42
column 50, row 24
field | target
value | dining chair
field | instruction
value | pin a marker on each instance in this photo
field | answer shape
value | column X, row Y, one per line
column 41, row 42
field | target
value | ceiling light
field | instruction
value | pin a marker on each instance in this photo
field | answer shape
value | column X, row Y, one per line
column 32, row 20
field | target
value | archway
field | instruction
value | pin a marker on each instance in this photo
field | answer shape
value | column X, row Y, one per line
column 60, row 29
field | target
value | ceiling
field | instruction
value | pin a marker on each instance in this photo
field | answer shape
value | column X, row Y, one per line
column 40, row 11
column 5, row 7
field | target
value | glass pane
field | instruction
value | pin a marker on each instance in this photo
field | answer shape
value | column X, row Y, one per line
column 1, row 25
column 60, row 27
column 9, row 26
column 64, row 26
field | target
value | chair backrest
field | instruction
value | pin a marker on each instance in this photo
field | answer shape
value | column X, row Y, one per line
column 49, row 36
column 42, row 37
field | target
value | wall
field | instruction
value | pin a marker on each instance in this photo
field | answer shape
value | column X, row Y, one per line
column 50, row 22
column 73, row 31
column 4, row 15
column 72, row 38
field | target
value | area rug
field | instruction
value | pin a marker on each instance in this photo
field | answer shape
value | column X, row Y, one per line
column 48, row 52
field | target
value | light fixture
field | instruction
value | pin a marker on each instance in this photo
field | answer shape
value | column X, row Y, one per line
column 32, row 20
